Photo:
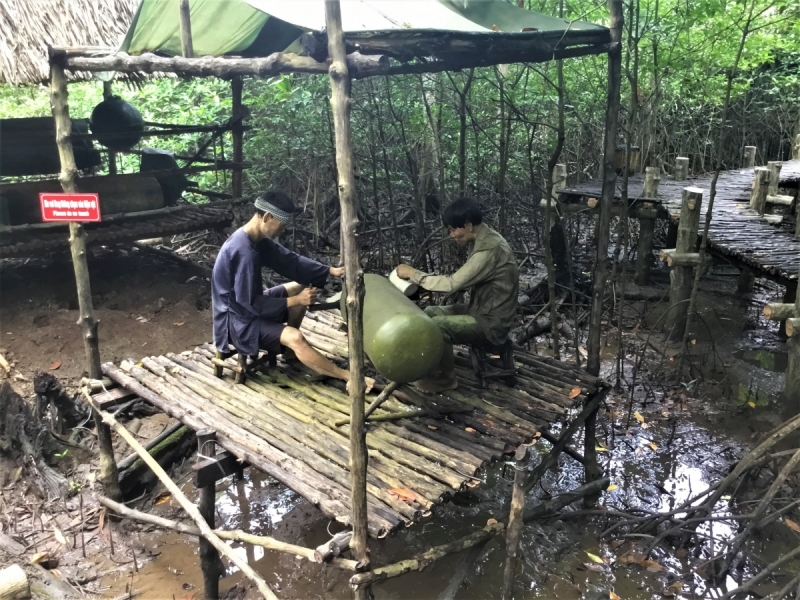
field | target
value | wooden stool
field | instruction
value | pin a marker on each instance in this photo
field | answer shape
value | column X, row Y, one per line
column 481, row 367
column 246, row 365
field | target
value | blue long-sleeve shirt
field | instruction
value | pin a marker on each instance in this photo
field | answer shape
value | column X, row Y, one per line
column 238, row 302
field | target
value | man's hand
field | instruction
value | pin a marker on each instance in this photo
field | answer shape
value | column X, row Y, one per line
column 304, row 298
column 404, row 271
column 337, row 271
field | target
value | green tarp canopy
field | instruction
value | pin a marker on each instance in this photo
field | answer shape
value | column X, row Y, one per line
column 254, row 28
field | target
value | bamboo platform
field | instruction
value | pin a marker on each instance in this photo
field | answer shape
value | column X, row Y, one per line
column 422, row 449
column 43, row 239
column 737, row 232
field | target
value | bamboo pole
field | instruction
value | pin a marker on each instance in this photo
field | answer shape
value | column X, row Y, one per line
column 109, row 475
column 185, row 503
column 354, row 276
column 515, row 522
column 647, row 226
column 14, row 583
column 237, row 536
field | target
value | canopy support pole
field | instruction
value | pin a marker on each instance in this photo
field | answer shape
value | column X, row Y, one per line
column 77, row 242
column 340, row 105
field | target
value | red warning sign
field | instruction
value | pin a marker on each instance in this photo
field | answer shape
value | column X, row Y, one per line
column 82, row 208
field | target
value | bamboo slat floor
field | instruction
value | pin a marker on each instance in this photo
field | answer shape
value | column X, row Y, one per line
column 737, row 231
column 422, row 449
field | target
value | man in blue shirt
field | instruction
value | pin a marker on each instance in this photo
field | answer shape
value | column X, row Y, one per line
column 252, row 318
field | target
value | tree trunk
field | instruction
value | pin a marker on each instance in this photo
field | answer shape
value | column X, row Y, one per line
column 609, row 182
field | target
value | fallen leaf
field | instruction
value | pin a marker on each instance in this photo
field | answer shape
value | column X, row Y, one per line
column 653, row 446
column 403, row 494
column 681, row 553
column 469, row 430
column 600, row 449
column 39, row 557
column 575, row 392
column 491, row 522
column 665, row 414
column 611, row 487
column 613, row 596
column 181, row 324
column 594, row 567
column 432, row 427
column 792, row 525
column 55, row 365
column 163, row 497
column 595, row 558
column 15, row 477
column 639, row 416
column 495, row 28
column 751, row 404
column 59, row 536
column 694, row 342
column 652, row 566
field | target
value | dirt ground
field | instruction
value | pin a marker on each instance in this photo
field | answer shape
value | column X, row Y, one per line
column 145, row 305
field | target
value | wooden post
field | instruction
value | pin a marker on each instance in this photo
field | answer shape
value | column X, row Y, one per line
column 515, row 521
column 112, row 156
column 647, row 226
column 682, row 277
column 187, row 49
column 340, row 106
column 14, row 583
column 758, row 197
column 237, row 83
column 796, row 148
column 209, row 556
column 77, row 243
column 559, row 178
column 791, row 390
column 681, row 168
column 609, row 186
column 749, row 157
column 774, row 167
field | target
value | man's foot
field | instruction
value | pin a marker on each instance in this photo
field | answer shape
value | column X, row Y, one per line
column 370, row 383
column 437, row 383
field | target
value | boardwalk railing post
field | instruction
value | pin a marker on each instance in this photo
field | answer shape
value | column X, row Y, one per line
column 774, row 167
column 209, row 557
column 682, row 260
column 789, row 314
column 749, row 157
column 681, row 168
column 187, row 47
column 758, row 197
column 647, row 226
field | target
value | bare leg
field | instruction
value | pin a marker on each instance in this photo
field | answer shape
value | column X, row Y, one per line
column 296, row 313
column 292, row 338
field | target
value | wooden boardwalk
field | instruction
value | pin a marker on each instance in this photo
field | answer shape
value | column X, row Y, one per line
column 737, row 232
column 423, row 449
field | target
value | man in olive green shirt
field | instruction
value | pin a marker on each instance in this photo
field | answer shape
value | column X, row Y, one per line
column 492, row 276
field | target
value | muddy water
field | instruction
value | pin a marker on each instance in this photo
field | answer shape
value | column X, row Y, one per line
column 655, row 464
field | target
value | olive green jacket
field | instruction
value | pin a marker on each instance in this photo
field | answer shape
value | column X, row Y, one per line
column 492, row 276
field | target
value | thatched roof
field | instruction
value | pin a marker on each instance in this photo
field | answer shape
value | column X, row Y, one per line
column 27, row 27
